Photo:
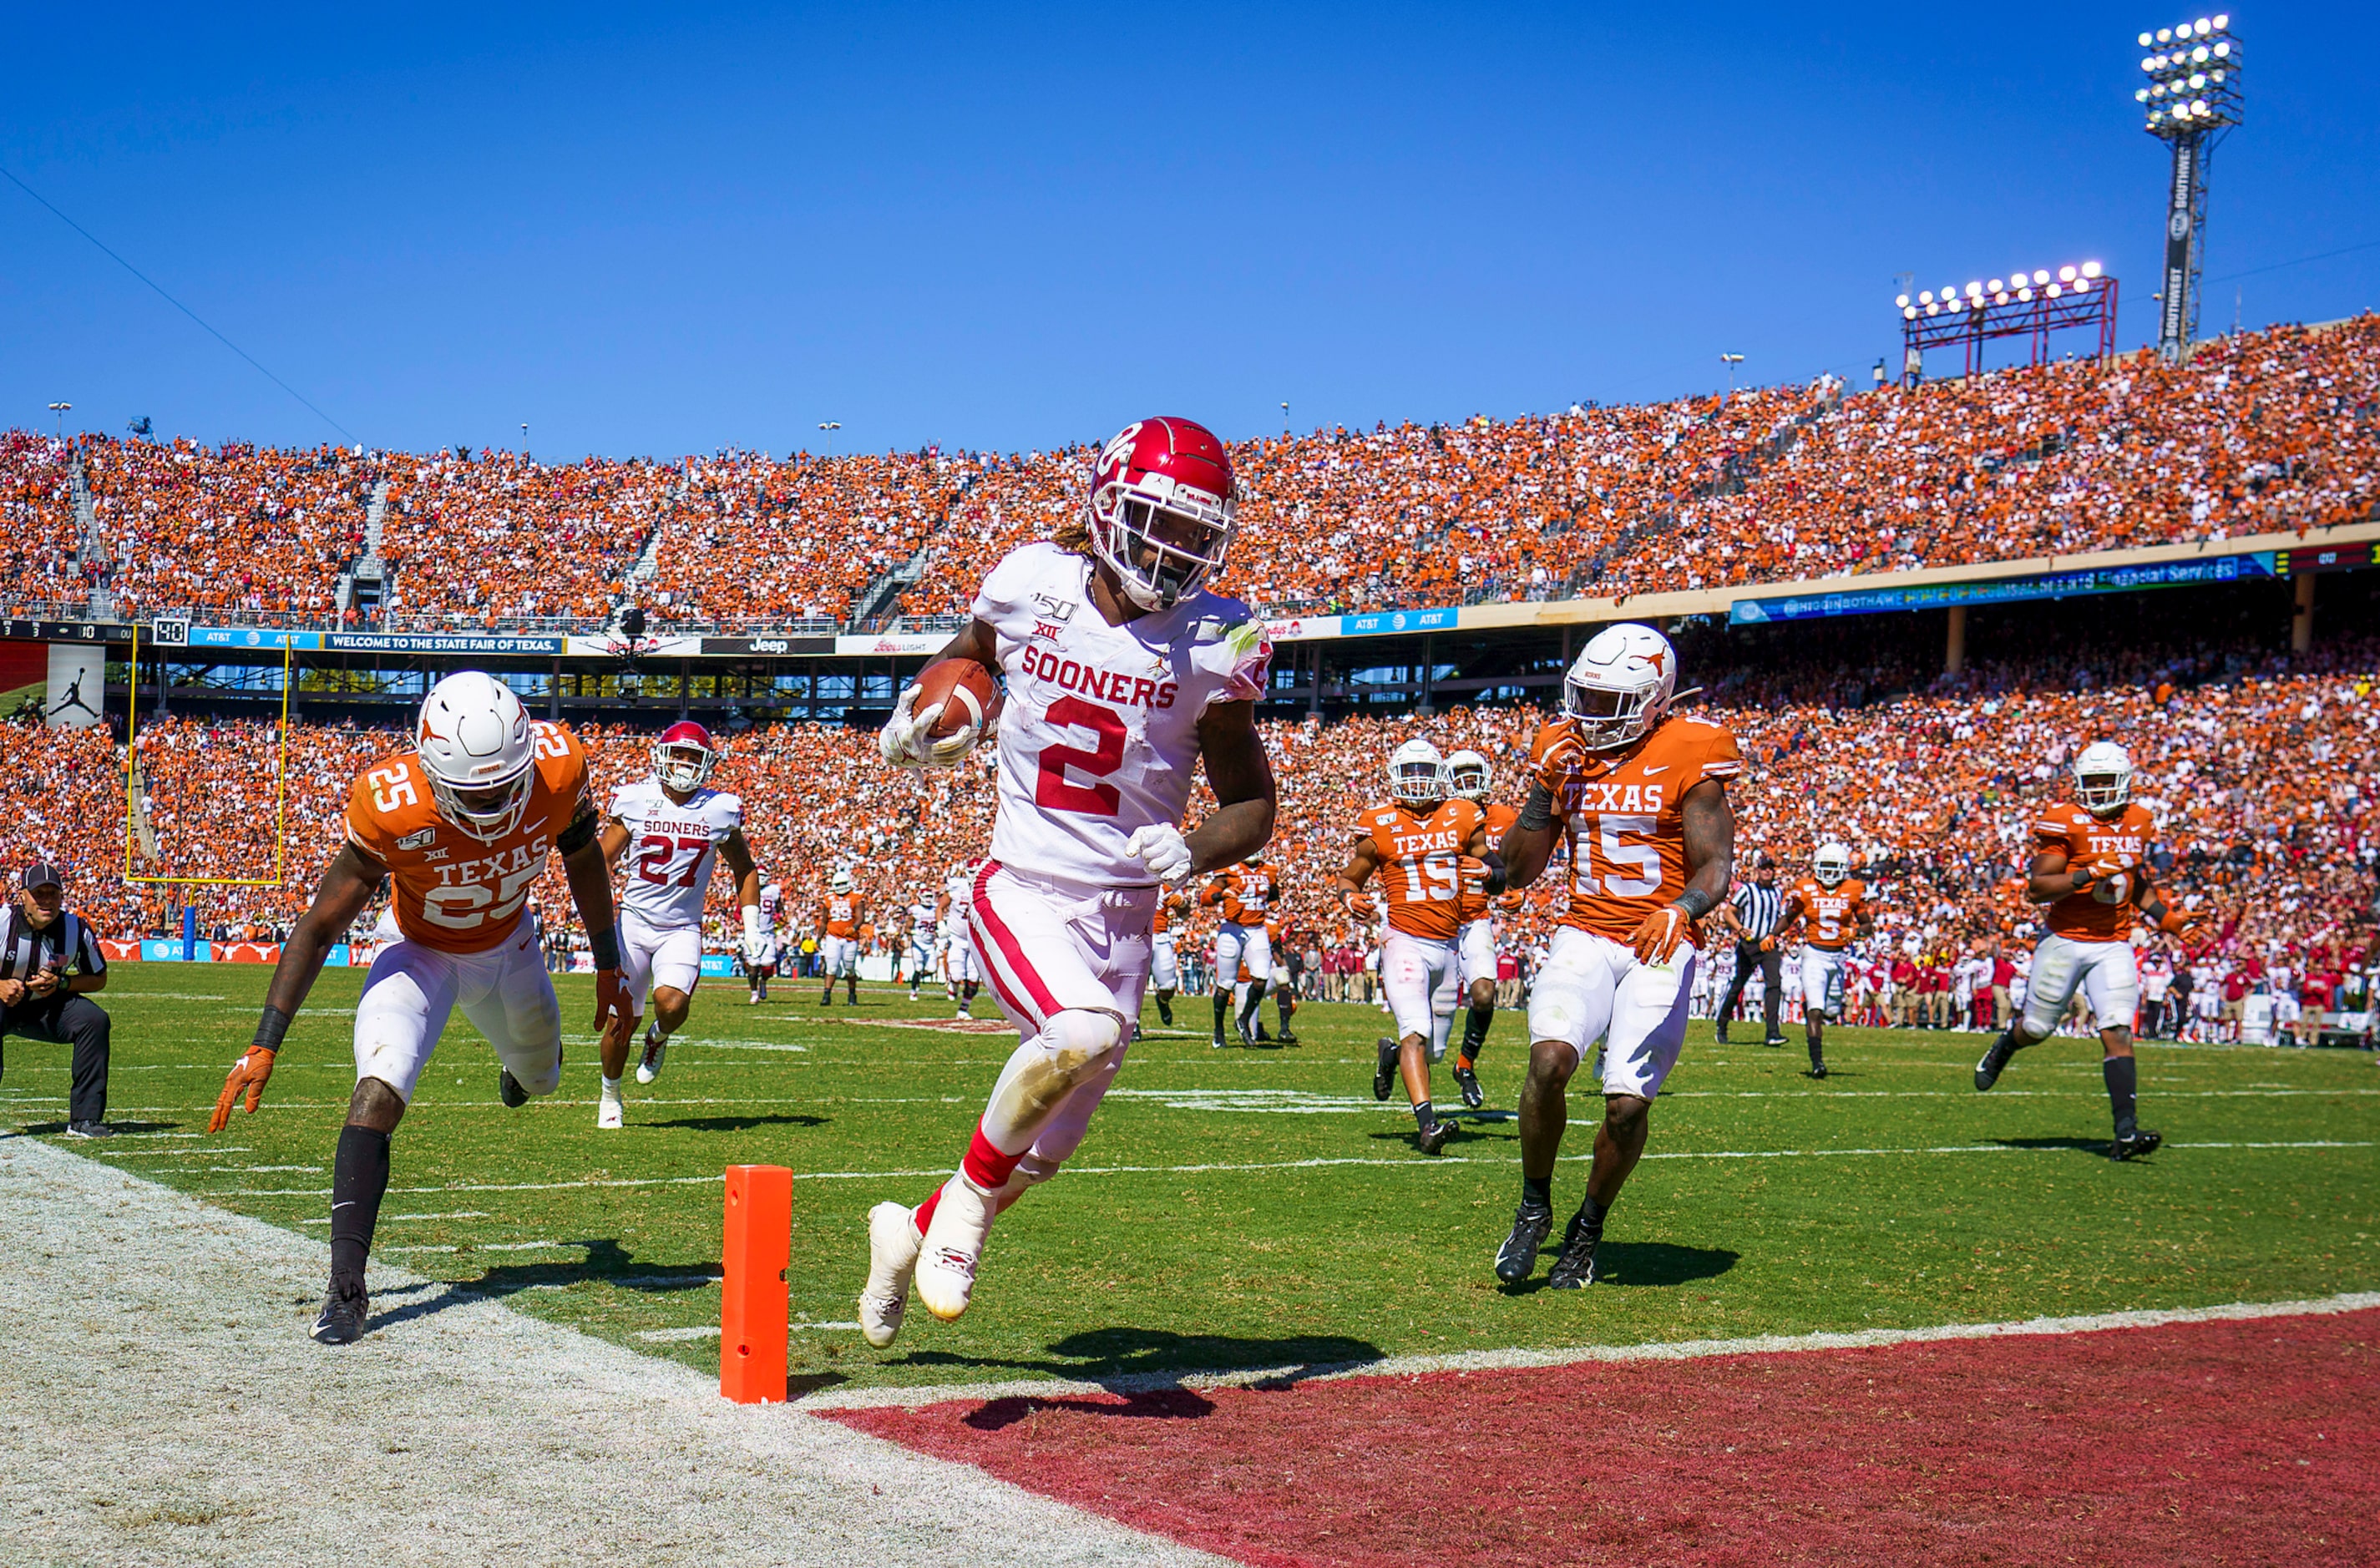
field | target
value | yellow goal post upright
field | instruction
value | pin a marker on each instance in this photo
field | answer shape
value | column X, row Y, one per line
column 280, row 782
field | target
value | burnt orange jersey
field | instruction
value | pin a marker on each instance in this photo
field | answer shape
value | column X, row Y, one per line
column 1627, row 834
column 452, row 892
column 1420, row 861
column 1832, row 912
column 1170, row 906
column 841, row 912
column 1473, row 904
column 2121, row 842
column 1246, row 893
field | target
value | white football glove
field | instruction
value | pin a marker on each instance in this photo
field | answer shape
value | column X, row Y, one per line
column 903, row 741
column 1162, row 850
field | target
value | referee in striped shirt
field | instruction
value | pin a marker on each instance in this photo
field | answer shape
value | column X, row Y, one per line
column 1759, row 910
column 50, row 963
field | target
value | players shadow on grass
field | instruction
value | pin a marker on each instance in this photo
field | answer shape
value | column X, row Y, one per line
column 122, row 1129
column 606, row 1260
column 1633, row 1263
column 1478, row 1128
column 1141, row 1369
column 2079, row 1145
column 743, row 1124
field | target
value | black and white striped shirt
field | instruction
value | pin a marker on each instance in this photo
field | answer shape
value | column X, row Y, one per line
column 65, row 944
column 1762, row 910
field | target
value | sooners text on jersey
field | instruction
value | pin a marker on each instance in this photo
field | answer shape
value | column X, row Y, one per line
column 1100, row 737
column 2087, row 840
column 452, row 892
column 1421, row 864
column 671, row 849
column 1627, row 833
column 1831, row 912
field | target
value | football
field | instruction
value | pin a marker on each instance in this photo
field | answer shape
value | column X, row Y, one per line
column 964, row 689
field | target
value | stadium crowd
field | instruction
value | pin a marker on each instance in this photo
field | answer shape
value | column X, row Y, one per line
column 2259, row 432
column 2263, row 768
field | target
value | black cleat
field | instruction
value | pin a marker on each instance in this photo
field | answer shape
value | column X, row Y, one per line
column 1817, row 1069
column 1385, row 1074
column 1216, row 1042
column 1574, row 1269
column 1995, row 1062
column 1517, row 1258
column 1164, row 1010
column 88, row 1128
column 1433, row 1137
column 509, row 1090
column 1722, row 1034
column 1285, row 1039
column 1467, row 1080
column 2143, row 1141
column 1778, row 1040
column 345, row 1311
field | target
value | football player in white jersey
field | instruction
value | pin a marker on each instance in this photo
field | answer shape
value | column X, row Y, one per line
column 760, row 963
column 674, row 829
column 961, row 975
column 1124, row 676
column 920, row 944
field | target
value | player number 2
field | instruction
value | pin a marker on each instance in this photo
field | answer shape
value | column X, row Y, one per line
column 1057, row 791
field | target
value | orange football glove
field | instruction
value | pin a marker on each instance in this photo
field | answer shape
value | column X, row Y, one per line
column 1360, row 904
column 1473, row 870
column 2184, row 923
column 249, row 1072
column 1659, row 936
column 1555, row 752
column 1768, row 944
column 1511, row 898
column 612, row 1001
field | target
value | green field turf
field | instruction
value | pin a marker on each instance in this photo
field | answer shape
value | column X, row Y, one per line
column 1257, row 1208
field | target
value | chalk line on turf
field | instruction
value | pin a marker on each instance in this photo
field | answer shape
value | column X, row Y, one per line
column 164, row 1404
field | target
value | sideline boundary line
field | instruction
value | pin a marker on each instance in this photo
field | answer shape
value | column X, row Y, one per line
column 1512, row 1360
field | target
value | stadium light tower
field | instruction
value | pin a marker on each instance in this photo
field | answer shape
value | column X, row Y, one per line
column 60, row 410
column 830, row 426
column 1731, row 362
column 2191, row 97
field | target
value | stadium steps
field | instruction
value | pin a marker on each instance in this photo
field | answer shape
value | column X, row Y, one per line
column 144, row 832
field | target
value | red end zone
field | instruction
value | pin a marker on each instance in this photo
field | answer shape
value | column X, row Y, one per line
column 2253, row 1441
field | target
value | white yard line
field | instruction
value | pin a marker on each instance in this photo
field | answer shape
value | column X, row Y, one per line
column 1499, row 1360
column 164, row 1404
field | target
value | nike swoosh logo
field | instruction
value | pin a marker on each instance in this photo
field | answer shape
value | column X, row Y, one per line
column 1662, row 769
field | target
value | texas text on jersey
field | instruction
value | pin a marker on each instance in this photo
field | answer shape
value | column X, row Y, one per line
column 1420, row 861
column 1246, row 893
column 1832, row 912
column 1100, row 734
column 672, row 847
column 2110, row 847
column 452, row 892
column 1626, row 831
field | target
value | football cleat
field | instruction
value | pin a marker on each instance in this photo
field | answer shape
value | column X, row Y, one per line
column 509, row 1090
column 345, row 1312
column 649, row 1067
column 1433, row 1137
column 1385, row 1072
column 1817, row 1069
column 1217, row 1043
column 952, row 1246
column 1467, row 1080
column 89, row 1129
column 892, row 1248
column 1517, row 1258
column 1773, row 1042
column 1721, row 1034
column 1165, row 1010
column 1574, row 1269
column 1995, row 1062
column 2142, row 1142
column 963, row 1012
column 609, row 1111
column 1285, row 1037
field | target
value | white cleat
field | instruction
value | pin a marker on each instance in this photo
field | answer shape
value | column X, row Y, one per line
column 953, row 1244
column 892, row 1248
column 608, row 1112
column 648, row 1065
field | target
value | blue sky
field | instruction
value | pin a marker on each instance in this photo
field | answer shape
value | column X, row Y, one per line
column 641, row 233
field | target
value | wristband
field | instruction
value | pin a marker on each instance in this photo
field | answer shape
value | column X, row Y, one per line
column 753, row 930
column 1538, row 811
column 606, row 944
column 1497, row 876
column 1695, row 903
column 270, row 1028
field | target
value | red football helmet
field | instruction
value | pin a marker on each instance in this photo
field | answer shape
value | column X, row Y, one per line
column 1163, row 508
column 682, row 758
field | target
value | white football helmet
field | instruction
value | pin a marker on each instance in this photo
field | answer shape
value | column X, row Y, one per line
column 479, row 750
column 1469, row 776
column 1417, row 775
column 683, row 757
column 1831, row 864
column 839, row 880
column 2103, row 778
column 1620, row 685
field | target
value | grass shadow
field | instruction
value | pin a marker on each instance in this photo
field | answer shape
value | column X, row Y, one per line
column 1137, row 1361
column 1631, row 1264
column 606, row 1260
column 2080, row 1146
column 123, row 1129
column 742, row 1124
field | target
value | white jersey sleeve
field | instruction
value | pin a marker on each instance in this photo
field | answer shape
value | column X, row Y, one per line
column 1100, row 737
column 672, row 848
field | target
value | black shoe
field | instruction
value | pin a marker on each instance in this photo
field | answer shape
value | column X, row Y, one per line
column 1817, row 1069
column 1218, row 1041
column 1517, row 1258
column 509, row 1090
column 1721, row 1033
column 1995, row 1062
column 89, row 1129
column 1385, row 1074
column 1574, row 1269
column 1467, row 1080
column 1164, row 1011
column 1285, row 1039
column 345, row 1311
column 2142, row 1142
column 1433, row 1137
column 828, row 1000
column 1773, row 1043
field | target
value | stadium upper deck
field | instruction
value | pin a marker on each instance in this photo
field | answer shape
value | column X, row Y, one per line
column 2259, row 433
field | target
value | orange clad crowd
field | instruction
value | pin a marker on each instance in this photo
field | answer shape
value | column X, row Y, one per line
column 2264, row 770
column 2259, row 432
